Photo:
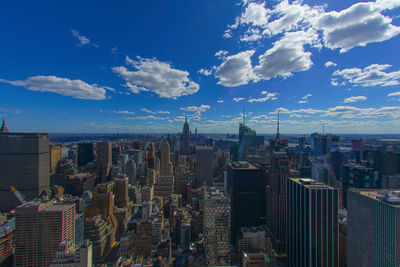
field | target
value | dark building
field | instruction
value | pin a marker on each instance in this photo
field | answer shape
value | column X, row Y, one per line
column 247, row 142
column 276, row 200
column 85, row 153
column 358, row 176
column 312, row 223
column 245, row 190
column 336, row 162
column 24, row 164
column 185, row 148
column 80, row 183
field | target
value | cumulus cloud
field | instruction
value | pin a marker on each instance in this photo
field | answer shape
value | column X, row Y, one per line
column 150, row 117
column 235, row 70
column 373, row 75
column 125, row 112
column 330, row 63
column 255, row 14
column 83, row 40
column 237, row 99
column 197, row 110
column 220, row 101
column 268, row 96
column 354, row 99
column 205, row 72
column 154, row 112
column 157, row 77
column 358, row 25
column 221, row 54
column 286, row 56
column 63, row 86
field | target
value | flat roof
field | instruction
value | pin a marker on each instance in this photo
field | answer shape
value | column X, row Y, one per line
column 310, row 183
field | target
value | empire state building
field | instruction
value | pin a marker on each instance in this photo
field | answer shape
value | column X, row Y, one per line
column 185, row 149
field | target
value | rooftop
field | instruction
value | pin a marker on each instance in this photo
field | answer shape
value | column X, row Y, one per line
column 310, row 183
column 390, row 197
column 242, row 165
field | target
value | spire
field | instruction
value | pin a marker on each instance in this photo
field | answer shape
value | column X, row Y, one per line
column 3, row 128
column 244, row 113
column 277, row 128
column 186, row 119
column 323, row 127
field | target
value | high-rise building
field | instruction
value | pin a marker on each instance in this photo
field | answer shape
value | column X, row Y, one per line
column 7, row 239
column 185, row 148
column 245, row 189
column 3, row 128
column 276, row 200
column 312, row 228
column 217, row 212
column 39, row 230
column 121, row 185
column 372, row 228
column 359, row 176
column 24, row 164
column 85, row 153
column 104, row 160
column 247, row 142
column 204, row 165
column 69, row 255
column 166, row 166
column 55, row 157
column 151, row 156
column 130, row 171
column 164, row 187
column 100, row 233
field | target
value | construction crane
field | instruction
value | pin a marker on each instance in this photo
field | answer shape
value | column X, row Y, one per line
column 18, row 195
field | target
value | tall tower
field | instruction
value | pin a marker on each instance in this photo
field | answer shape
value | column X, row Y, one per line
column 104, row 160
column 166, row 166
column 204, row 165
column 312, row 224
column 185, row 150
column 3, row 128
column 277, row 129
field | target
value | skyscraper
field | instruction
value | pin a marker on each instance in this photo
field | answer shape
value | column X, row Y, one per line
column 276, row 200
column 245, row 190
column 85, row 153
column 185, row 148
column 217, row 211
column 204, row 165
column 55, row 156
column 104, row 160
column 40, row 228
column 3, row 128
column 373, row 228
column 130, row 171
column 166, row 166
column 24, row 164
column 312, row 228
column 247, row 142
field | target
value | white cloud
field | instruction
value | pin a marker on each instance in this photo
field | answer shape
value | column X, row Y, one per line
column 197, row 110
column 83, row 40
column 255, row 14
column 150, row 117
column 252, row 34
column 154, row 112
column 302, row 101
column 268, row 96
column 286, row 56
column 354, row 99
column 220, row 101
column 373, row 75
column 125, row 112
column 394, row 94
column 306, row 96
column 235, row 70
column 330, row 63
column 157, row 77
column 63, row 86
column 358, row 25
column 237, row 99
column 205, row 72
column 221, row 54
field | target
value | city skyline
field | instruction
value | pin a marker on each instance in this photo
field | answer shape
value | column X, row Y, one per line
column 143, row 67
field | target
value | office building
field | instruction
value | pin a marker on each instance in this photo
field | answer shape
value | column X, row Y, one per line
column 7, row 239
column 100, row 233
column 85, row 153
column 204, row 165
column 372, row 228
column 245, row 188
column 185, row 147
column 164, row 187
column 247, row 142
column 276, row 200
column 39, row 230
column 55, row 157
column 103, row 160
column 312, row 228
column 121, row 190
column 359, row 176
column 166, row 165
column 24, row 164
column 217, row 213
column 130, row 171
column 69, row 255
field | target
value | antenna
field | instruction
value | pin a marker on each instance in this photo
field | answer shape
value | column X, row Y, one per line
column 277, row 127
column 244, row 113
column 323, row 127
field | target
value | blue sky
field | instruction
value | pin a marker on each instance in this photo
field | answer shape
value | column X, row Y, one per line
column 141, row 66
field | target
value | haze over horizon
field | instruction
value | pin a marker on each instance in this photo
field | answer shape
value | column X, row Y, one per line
column 142, row 66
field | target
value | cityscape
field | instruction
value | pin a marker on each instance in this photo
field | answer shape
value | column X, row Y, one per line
column 161, row 133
